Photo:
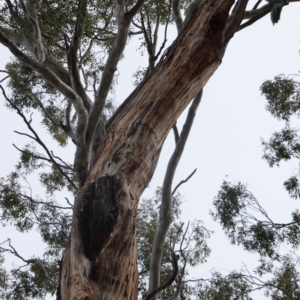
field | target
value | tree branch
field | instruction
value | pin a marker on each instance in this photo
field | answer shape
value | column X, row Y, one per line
column 110, row 67
column 148, row 40
column 165, row 34
column 68, row 127
column 23, row 40
column 20, row 39
column 256, row 4
column 165, row 216
column 32, row 17
column 34, row 155
column 183, row 181
column 50, row 77
column 256, row 14
column 249, row 14
column 235, row 19
column 135, row 9
column 3, row 79
column 30, row 199
column 177, row 15
column 176, row 133
column 169, row 281
column 72, row 54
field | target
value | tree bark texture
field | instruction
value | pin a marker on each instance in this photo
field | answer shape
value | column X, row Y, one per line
column 100, row 262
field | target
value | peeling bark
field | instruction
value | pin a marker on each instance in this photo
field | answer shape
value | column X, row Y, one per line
column 100, row 262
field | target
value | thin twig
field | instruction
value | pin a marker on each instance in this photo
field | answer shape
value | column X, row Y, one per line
column 183, row 181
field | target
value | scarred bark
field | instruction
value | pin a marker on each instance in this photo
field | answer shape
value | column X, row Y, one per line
column 100, row 262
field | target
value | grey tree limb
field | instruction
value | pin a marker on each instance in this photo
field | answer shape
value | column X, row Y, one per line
column 134, row 10
column 181, row 273
column 176, row 133
column 151, row 46
column 18, row 38
column 47, row 204
column 253, row 19
column 165, row 215
column 68, row 126
column 72, row 54
column 249, row 14
column 183, row 181
column 177, row 15
column 31, row 13
column 235, row 19
column 124, row 20
column 256, row 14
column 46, row 74
column 3, row 79
column 66, row 165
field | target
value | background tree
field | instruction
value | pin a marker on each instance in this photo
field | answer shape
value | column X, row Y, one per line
column 247, row 223
column 66, row 55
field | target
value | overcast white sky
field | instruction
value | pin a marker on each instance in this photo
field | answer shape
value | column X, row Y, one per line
column 225, row 139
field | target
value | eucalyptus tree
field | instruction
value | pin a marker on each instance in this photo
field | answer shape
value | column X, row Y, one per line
column 66, row 54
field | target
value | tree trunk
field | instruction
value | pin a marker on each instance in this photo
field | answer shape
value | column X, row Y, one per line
column 100, row 262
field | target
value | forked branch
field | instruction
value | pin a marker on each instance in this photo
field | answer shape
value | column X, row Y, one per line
column 124, row 20
column 31, row 14
column 165, row 215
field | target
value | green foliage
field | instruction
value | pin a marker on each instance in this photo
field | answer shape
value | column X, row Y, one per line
column 231, row 210
column 229, row 203
column 33, row 281
column 30, row 93
column 283, row 145
column 53, row 221
column 282, row 96
column 283, row 102
column 292, row 186
column 54, row 181
column 246, row 223
column 239, row 214
column 285, row 283
column 231, row 287
column 14, row 206
column 3, row 277
column 38, row 277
